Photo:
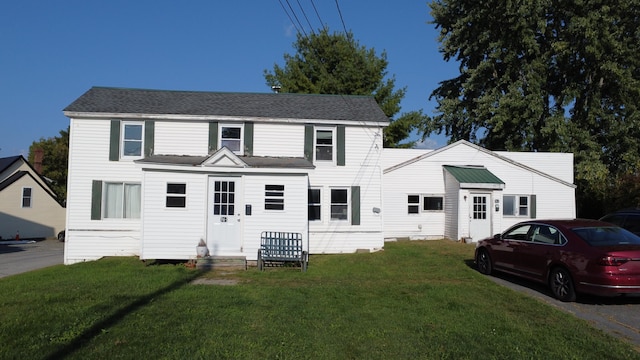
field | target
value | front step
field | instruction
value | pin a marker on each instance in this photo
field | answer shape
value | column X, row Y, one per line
column 218, row 262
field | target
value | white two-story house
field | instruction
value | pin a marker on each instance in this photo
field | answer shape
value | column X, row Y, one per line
column 152, row 172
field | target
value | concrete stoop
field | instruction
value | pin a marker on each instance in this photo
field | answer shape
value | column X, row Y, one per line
column 221, row 262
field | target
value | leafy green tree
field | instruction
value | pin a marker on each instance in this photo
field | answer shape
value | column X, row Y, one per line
column 335, row 63
column 544, row 75
column 54, row 161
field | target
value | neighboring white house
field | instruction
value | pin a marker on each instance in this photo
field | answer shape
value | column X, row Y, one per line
column 464, row 191
column 29, row 209
column 153, row 172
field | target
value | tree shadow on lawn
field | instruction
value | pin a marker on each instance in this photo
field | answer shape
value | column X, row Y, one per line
column 97, row 328
column 518, row 283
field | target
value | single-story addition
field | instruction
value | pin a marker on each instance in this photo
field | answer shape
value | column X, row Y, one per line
column 154, row 172
column 29, row 209
column 465, row 192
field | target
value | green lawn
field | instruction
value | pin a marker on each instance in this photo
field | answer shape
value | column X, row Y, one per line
column 415, row 300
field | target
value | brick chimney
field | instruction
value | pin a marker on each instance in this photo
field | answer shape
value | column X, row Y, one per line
column 38, row 155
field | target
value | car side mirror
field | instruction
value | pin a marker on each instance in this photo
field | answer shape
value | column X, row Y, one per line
column 497, row 237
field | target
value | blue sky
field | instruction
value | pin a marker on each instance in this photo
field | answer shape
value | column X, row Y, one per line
column 53, row 51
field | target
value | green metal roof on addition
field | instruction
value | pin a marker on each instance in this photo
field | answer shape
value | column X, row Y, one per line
column 473, row 175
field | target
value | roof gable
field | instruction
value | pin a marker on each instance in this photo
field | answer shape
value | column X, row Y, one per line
column 8, row 161
column 19, row 175
column 109, row 101
column 479, row 149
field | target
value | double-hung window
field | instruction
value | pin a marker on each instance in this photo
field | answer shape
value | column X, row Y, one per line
column 274, row 197
column 176, row 195
column 515, row 205
column 315, row 205
column 231, row 138
column 132, row 139
column 339, row 204
column 121, row 200
column 413, row 204
column 424, row 203
column 26, row 197
column 324, row 145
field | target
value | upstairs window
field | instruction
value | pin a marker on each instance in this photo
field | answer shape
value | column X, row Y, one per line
column 132, row 139
column 26, row 197
column 324, row 145
column 274, row 197
column 176, row 195
column 231, row 138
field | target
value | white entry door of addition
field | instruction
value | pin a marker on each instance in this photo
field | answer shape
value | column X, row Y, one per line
column 223, row 233
column 479, row 217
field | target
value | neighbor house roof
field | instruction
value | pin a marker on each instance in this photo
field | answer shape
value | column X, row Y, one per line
column 8, row 161
column 103, row 100
column 19, row 175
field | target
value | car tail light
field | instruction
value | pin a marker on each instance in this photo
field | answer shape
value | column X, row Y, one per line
column 613, row 260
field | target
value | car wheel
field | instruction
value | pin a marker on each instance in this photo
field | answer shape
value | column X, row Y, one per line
column 61, row 236
column 561, row 285
column 484, row 262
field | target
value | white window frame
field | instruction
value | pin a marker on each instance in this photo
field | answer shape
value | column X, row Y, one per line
column 332, row 204
column 176, row 195
column 333, row 145
column 124, row 210
column 413, row 207
column 318, row 204
column 516, row 210
column 123, row 140
column 424, row 203
column 274, row 197
column 25, row 197
column 221, row 128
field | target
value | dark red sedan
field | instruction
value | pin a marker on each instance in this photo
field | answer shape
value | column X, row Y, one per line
column 571, row 256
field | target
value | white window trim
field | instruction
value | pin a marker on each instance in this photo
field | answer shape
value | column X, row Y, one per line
column 232, row 125
column 334, row 156
column 22, row 197
column 103, row 214
column 176, row 195
column 348, row 219
column 431, row 195
column 517, row 206
column 122, row 140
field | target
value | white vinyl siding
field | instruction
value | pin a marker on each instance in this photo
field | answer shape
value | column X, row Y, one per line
column 266, row 140
column 170, row 138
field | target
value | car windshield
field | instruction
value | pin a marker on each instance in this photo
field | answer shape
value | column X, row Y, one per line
column 607, row 235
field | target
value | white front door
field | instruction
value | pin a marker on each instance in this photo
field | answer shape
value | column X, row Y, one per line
column 223, row 233
column 479, row 217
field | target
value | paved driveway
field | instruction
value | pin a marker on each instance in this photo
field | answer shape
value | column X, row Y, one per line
column 23, row 257
column 619, row 316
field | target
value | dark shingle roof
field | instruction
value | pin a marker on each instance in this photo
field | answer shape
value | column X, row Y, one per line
column 7, row 161
column 267, row 105
column 251, row 161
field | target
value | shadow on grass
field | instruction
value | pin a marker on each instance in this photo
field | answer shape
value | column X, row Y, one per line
column 97, row 328
column 517, row 283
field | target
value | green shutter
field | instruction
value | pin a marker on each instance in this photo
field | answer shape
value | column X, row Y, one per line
column 96, row 200
column 213, row 136
column 114, row 141
column 248, row 138
column 355, row 205
column 340, row 145
column 149, row 136
column 308, row 142
column 532, row 206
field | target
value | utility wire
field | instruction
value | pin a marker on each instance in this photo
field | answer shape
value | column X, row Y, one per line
column 305, row 16
column 317, row 14
column 289, row 16
column 296, row 16
column 342, row 20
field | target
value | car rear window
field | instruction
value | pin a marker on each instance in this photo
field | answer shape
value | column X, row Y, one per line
column 606, row 236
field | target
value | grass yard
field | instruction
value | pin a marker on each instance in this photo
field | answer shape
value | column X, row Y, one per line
column 415, row 300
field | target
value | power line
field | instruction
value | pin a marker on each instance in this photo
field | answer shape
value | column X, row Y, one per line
column 317, row 14
column 342, row 20
column 289, row 16
column 305, row 16
column 296, row 16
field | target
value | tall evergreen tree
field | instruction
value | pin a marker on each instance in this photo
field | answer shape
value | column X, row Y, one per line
column 544, row 75
column 326, row 63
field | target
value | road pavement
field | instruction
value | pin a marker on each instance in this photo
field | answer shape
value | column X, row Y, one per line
column 23, row 256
